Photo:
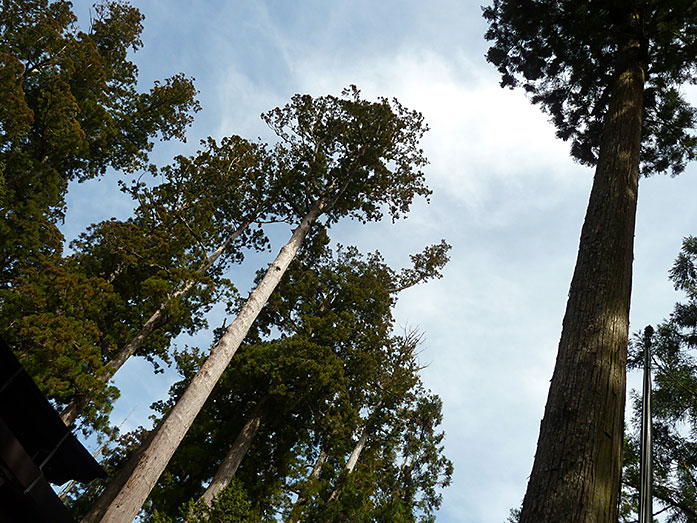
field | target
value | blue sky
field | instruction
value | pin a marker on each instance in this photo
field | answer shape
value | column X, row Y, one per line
column 506, row 196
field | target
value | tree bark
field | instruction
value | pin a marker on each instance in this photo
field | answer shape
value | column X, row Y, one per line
column 234, row 457
column 353, row 459
column 302, row 499
column 155, row 458
column 75, row 407
column 116, row 483
column 576, row 473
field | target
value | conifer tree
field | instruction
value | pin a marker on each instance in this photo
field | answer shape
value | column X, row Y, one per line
column 72, row 109
column 343, row 156
column 185, row 233
column 395, row 467
column 154, row 275
column 331, row 315
column 609, row 75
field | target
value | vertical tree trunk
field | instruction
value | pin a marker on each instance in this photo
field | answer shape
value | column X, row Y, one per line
column 234, row 457
column 302, row 499
column 75, row 407
column 155, row 458
column 576, row 473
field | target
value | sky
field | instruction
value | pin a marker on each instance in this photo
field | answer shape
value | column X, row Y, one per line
column 506, row 195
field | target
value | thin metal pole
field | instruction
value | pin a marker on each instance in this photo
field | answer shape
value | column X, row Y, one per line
column 646, row 472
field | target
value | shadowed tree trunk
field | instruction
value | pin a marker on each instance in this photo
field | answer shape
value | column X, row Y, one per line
column 116, row 483
column 576, row 473
column 296, row 511
column 243, row 441
column 353, row 458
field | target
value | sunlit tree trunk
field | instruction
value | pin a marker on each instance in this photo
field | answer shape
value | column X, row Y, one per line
column 152, row 463
column 75, row 407
column 576, row 473
column 116, row 483
column 353, row 458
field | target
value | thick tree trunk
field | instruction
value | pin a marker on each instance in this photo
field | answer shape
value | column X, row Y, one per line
column 234, row 457
column 302, row 499
column 75, row 407
column 576, row 473
column 155, row 458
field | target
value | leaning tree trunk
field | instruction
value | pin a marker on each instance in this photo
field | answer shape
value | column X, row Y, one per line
column 75, row 407
column 576, row 473
column 155, row 458
column 296, row 511
column 226, row 470
column 116, row 483
column 353, row 458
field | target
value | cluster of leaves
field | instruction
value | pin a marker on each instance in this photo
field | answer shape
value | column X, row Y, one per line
column 354, row 150
column 231, row 506
column 402, row 469
column 674, row 404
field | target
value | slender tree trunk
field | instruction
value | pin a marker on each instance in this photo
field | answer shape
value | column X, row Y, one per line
column 356, row 453
column 155, row 458
column 576, row 473
column 302, row 499
column 353, row 458
column 116, row 483
column 75, row 407
column 234, row 457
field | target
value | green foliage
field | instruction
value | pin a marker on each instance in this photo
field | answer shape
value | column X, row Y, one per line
column 402, row 469
column 60, row 323
column 72, row 109
column 563, row 54
column 362, row 155
column 230, row 506
column 144, row 263
column 328, row 359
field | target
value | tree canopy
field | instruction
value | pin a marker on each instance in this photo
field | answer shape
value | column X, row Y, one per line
column 568, row 65
column 73, row 109
column 609, row 76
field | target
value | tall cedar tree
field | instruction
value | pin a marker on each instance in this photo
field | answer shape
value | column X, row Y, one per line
column 344, row 304
column 344, row 156
column 674, row 404
column 394, row 468
column 333, row 315
column 608, row 73
column 71, row 108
